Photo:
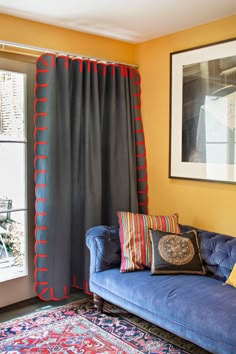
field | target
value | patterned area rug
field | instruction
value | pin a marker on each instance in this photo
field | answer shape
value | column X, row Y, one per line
column 77, row 328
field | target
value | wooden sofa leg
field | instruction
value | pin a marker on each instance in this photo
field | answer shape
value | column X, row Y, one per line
column 98, row 302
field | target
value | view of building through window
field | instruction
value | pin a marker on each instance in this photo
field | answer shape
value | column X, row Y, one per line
column 13, row 201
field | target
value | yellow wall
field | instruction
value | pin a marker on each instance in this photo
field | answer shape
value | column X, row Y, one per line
column 207, row 205
column 14, row 29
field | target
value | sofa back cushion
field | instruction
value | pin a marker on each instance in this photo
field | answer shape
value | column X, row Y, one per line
column 218, row 252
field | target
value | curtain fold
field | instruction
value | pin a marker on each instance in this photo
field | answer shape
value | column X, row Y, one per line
column 90, row 162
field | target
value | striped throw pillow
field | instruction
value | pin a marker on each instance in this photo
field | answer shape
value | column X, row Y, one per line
column 135, row 239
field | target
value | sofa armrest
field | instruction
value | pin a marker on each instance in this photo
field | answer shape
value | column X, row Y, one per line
column 104, row 245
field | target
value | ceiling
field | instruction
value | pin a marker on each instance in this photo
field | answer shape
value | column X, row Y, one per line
column 133, row 21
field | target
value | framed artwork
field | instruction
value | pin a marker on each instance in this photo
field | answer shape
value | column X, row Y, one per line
column 203, row 113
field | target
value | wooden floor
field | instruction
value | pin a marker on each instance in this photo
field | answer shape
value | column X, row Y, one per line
column 33, row 305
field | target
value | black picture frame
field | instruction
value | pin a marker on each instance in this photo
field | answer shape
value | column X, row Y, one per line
column 203, row 113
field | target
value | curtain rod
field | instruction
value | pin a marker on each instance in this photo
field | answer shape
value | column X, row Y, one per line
column 39, row 49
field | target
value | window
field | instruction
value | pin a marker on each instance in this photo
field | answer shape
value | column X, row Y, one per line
column 13, row 201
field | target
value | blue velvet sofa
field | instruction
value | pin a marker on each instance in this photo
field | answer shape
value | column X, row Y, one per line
column 199, row 308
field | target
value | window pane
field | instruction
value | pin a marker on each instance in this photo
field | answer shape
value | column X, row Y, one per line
column 13, row 250
column 12, row 105
column 13, row 174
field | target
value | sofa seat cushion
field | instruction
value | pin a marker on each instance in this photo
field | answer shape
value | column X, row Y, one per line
column 191, row 306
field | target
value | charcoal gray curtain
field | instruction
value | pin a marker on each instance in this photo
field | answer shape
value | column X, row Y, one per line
column 90, row 162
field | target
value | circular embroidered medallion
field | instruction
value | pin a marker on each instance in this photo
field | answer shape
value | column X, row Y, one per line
column 176, row 249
